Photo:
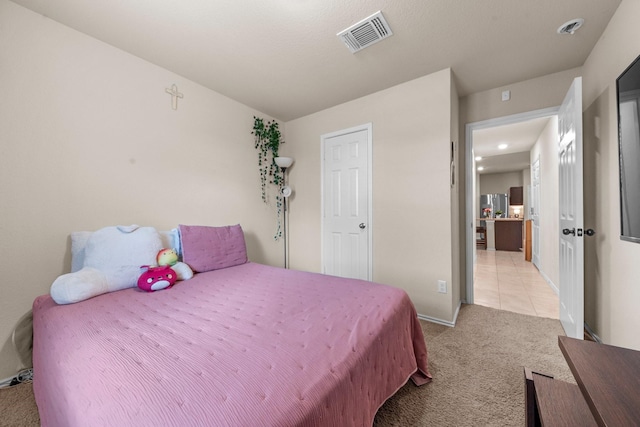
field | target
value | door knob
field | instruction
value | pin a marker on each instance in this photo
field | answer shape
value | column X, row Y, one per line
column 566, row 231
column 589, row 232
column 362, row 226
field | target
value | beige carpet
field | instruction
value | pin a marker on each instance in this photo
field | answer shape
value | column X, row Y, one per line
column 477, row 370
column 18, row 407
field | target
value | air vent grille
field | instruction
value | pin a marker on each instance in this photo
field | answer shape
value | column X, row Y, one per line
column 369, row 31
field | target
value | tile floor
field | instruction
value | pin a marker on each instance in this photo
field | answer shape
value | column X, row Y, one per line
column 504, row 280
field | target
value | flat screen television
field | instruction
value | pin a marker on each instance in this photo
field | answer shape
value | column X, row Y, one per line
column 628, row 92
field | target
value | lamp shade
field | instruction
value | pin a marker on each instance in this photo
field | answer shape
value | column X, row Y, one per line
column 284, row 162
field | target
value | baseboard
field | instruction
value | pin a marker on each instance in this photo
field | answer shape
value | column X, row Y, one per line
column 440, row 321
column 595, row 337
column 435, row 320
column 25, row 375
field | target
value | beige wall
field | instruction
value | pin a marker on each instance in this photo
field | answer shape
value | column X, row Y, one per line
column 499, row 182
column 89, row 139
column 412, row 229
column 612, row 289
column 546, row 150
column 457, row 237
column 529, row 95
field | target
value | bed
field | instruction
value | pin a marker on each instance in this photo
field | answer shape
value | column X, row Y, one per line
column 245, row 345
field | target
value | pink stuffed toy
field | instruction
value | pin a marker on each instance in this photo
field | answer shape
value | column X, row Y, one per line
column 156, row 278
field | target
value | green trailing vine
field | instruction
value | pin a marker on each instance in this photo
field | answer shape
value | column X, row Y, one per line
column 267, row 140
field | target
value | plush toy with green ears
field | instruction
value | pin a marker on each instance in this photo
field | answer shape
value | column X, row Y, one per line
column 169, row 257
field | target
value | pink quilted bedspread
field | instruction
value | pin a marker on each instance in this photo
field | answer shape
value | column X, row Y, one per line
column 250, row 345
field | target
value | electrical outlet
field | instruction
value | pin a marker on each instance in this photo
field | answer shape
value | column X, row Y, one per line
column 442, row 286
column 506, row 95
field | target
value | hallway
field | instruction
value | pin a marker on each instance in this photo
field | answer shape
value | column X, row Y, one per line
column 504, row 280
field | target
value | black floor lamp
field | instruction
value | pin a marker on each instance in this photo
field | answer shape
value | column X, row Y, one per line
column 284, row 163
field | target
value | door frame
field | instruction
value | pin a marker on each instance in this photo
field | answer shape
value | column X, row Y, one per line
column 369, row 128
column 535, row 207
column 470, row 216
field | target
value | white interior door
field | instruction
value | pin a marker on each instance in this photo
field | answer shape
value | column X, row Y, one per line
column 571, row 214
column 346, row 223
column 535, row 212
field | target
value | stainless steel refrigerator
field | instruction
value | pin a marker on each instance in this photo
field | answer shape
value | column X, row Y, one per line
column 495, row 202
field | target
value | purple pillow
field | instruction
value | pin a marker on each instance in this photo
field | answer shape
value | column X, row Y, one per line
column 212, row 248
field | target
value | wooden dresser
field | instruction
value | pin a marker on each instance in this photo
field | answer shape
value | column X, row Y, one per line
column 607, row 394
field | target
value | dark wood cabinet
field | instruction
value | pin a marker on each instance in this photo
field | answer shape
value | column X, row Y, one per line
column 553, row 402
column 508, row 235
column 515, row 196
column 606, row 393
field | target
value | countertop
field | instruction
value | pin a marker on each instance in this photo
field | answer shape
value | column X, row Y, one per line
column 500, row 219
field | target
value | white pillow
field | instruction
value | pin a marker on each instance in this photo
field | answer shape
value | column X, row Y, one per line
column 119, row 252
column 79, row 286
column 112, row 260
column 170, row 240
column 78, row 244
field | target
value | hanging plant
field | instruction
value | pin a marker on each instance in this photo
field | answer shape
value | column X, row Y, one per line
column 267, row 140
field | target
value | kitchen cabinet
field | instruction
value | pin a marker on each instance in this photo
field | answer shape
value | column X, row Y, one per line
column 515, row 196
column 508, row 234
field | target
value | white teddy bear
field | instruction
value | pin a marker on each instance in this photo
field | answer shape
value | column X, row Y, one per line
column 112, row 260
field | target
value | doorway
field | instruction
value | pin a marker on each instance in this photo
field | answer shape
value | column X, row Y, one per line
column 497, row 260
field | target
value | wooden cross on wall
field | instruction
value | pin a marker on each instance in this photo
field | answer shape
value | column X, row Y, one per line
column 174, row 96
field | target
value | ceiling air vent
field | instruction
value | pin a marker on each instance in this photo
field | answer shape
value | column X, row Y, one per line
column 365, row 33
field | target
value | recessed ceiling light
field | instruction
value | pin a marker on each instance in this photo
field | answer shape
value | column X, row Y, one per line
column 502, row 146
column 480, row 168
column 478, row 158
column 570, row 27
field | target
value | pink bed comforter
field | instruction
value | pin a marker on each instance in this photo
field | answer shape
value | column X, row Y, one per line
column 250, row 345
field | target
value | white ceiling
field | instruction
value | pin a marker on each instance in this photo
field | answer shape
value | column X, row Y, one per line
column 282, row 57
column 519, row 137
